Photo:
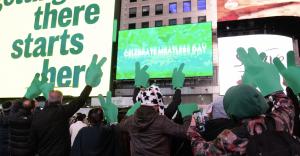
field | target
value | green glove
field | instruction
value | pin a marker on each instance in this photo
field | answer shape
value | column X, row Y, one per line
column 94, row 73
column 45, row 87
column 187, row 109
column 132, row 110
column 178, row 77
column 33, row 90
column 258, row 72
column 110, row 109
column 291, row 74
column 141, row 76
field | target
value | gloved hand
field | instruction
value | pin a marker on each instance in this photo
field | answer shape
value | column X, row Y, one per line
column 141, row 76
column 110, row 110
column 94, row 73
column 178, row 77
column 291, row 74
column 132, row 110
column 187, row 109
column 33, row 90
column 45, row 87
column 259, row 73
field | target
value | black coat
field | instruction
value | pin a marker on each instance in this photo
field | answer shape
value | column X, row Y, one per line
column 4, row 134
column 19, row 131
column 50, row 127
column 97, row 141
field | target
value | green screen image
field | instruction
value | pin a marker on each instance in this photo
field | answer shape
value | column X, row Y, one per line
column 164, row 48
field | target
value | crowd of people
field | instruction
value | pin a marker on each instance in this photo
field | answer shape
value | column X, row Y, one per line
column 256, row 117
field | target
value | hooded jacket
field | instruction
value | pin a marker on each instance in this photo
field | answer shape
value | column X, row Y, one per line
column 50, row 127
column 149, row 132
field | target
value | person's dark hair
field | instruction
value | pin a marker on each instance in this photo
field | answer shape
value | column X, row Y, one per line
column 80, row 117
column 95, row 116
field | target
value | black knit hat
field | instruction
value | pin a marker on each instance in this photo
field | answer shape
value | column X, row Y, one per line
column 6, row 106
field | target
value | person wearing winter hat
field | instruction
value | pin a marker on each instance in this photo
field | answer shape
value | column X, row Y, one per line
column 149, row 131
column 248, row 106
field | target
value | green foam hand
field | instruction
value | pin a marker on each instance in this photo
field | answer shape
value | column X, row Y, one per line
column 141, row 76
column 259, row 73
column 187, row 109
column 45, row 87
column 178, row 77
column 110, row 110
column 94, row 73
column 33, row 90
column 132, row 110
column 291, row 74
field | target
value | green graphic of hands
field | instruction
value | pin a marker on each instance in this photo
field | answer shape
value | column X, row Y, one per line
column 259, row 73
column 291, row 74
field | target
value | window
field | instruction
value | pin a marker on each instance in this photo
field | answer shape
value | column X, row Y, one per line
column 201, row 19
column 201, row 5
column 132, row 12
column 158, row 23
column 145, row 11
column 132, row 0
column 131, row 26
column 172, row 21
column 187, row 6
column 187, row 20
column 159, row 9
column 172, row 8
column 145, row 24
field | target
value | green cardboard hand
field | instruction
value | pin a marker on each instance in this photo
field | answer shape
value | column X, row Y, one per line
column 141, row 76
column 33, row 90
column 187, row 109
column 45, row 87
column 94, row 73
column 291, row 74
column 132, row 110
column 259, row 73
column 110, row 110
column 178, row 77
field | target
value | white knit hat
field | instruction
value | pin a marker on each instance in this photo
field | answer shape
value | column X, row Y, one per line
column 151, row 97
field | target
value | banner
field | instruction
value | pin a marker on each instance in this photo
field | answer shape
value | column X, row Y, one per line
column 57, row 37
column 165, row 48
column 246, row 9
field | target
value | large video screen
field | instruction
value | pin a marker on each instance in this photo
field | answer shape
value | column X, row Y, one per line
column 164, row 48
column 247, row 9
column 57, row 37
column 231, row 69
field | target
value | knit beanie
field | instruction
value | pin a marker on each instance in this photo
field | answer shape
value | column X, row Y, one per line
column 243, row 101
column 151, row 97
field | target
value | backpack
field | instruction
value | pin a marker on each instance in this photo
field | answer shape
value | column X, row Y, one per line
column 273, row 143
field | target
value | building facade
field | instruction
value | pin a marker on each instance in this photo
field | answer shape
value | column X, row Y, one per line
column 155, row 13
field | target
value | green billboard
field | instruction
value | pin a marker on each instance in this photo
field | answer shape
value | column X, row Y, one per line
column 164, row 48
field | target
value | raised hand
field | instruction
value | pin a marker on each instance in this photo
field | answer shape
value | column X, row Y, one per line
column 187, row 109
column 291, row 74
column 94, row 73
column 110, row 110
column 259, row 73
column 45, row 87
column 33, row 90
column 132, row 110
column 178, row 77
column 141, row 76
